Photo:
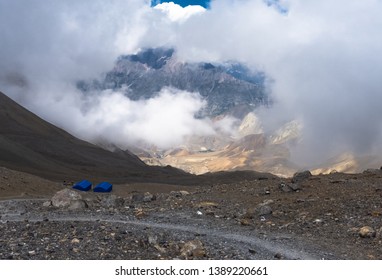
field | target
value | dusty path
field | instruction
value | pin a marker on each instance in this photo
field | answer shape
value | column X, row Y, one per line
column 19, row 211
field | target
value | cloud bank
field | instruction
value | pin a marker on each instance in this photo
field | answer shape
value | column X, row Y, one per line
column 163, row 120
column 322, row 57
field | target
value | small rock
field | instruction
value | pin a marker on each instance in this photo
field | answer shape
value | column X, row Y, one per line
column 285, row 187
column 261, row 210
column 252, row 251
column 194, row 248
column 160, row 248
column 153, row 239
column 32, row 253
column 75, row 241
column 139, row 213
column 367, row 232
column 245, row 222
column 289, row 187
column 207, row 204
column 47, row 203
column 267, row 202
column 301, row 176
column 184, row 193
column 264, row 210
column 179, row 193
column 295, row 187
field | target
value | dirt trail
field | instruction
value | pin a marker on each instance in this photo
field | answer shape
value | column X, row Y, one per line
column 15, row 211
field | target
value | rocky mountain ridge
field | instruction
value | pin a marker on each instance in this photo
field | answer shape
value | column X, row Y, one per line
column 229, row 88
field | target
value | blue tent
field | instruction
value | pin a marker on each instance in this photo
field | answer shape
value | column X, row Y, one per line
column 103, row 187
column 84, row 185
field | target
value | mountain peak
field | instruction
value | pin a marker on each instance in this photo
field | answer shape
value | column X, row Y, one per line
column 152, row 57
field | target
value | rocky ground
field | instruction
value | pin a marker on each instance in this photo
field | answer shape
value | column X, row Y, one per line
column 336, row 216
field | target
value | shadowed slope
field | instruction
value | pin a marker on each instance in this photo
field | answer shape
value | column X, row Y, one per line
column 30, row 144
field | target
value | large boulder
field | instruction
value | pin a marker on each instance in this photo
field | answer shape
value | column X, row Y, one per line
column 65, row 198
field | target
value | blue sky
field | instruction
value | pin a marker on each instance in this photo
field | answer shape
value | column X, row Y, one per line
column 184, row 3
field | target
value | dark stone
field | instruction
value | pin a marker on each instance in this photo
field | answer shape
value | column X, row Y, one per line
column 137, row 197
column 289, row 187
column 285, row 188
column 252, row 251
column 264, row 210
column 301, row 176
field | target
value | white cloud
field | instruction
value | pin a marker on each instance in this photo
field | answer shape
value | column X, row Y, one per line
column 164, row 120
column 177, row 13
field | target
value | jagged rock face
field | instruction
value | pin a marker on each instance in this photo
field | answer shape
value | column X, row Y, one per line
column 231, row 88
